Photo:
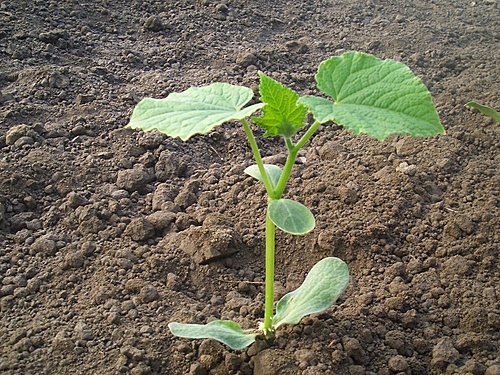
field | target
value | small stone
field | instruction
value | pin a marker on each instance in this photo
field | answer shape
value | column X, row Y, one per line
column 354, row 350
column 17, row 132
column 246, row 59
column 45, row 245
column 444, row 354
column 161, row 220
column 197, row 369
column 357, row 370
column 169, row 165
column 148, row 294
column 133, row 179
column 58, row 81
column 139, row 229
column 232, row 361
column 154, row 23
column 306, row 356
column 24, row 141
column 84, row 99
column 74, row 259
column 348, row 194
column 76, row 200
column 173, row 281
column 398, row 363
column 113, row 317
column 493, row 370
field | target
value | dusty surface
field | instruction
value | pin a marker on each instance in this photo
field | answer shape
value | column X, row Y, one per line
column 101, row 227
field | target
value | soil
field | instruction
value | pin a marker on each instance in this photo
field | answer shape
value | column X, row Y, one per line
column 109, row 234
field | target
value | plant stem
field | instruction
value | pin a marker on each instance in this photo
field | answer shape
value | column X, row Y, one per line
column 293, row 150
column 269, row 298
column 258, row 158
column 302, row 141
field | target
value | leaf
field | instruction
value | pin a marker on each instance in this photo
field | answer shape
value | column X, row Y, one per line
column 321, row 288
column 281, row 113
column 291, row 216
column 225, row 331
column 485, row 110
column 273, row 172
column 373, row 96
column 194, row 111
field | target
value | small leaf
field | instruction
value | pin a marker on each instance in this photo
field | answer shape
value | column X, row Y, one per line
column 273, row 172
column 194, row 111
column 291, row 216
column 225, row 331
column 485, row 110
column 321, row 288
column 373, row 96
column 281, row 113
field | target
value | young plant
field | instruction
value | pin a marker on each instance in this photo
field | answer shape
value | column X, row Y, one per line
column 485, row 110
column 366, row 95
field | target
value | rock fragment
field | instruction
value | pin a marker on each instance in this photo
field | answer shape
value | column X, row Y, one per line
column 134, row 179
column 443, row 354
column 139, row 229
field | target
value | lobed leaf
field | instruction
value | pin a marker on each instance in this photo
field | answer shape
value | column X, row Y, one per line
column 195, row 111
column 291, row 216
column 373, row 96
column 273, row 172
column 281, row 113
column 485, row 110
column 225, row 331
column 321, row 288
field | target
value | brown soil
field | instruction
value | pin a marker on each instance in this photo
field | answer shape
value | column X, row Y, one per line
column 108, row 234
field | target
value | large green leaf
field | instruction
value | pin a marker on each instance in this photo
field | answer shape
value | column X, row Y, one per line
column 225, row 331
column 281, row 113
column 373, row 96
column 291, row 216
column 321, row 288
column 194, row 111
column 485, row 110
column 273, row 172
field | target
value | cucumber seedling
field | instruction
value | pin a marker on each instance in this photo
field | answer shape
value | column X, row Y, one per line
column 363, row 94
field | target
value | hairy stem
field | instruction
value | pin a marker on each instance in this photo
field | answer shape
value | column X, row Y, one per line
column 258, row 158
column 269, row 299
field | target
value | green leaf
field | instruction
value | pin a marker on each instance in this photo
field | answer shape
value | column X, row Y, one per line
column 485, row 110
column 194, row 111
column 321, row 288
column 281, row 113
column 225, row 331
column 291, row 216
column 273, row 172
column 373, row 96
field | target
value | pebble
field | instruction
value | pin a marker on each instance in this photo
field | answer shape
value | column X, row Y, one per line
column 17, row 132
column 84, row 99
column 246, row 59
column 444, row 354
column 74, row 259
column 148, row 294
column 45, row 245
column 133, row 179
column 153, row 23
column 173, row 281
column 354, row 350
column 398, row 363
column 161, row 220
column 139, row 229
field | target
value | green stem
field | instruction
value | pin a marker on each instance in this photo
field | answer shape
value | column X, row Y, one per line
column 302, row 141
column 258, row 158
column 269, row 299
column 293, row 150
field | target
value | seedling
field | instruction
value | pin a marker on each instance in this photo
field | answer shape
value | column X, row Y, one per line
column 485, row 110
column 367, row 95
